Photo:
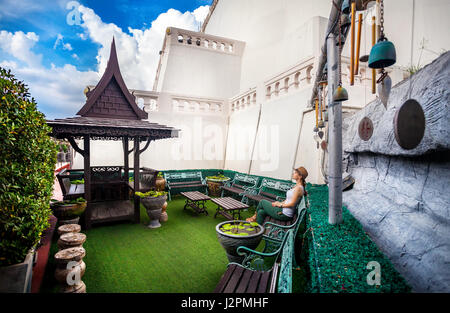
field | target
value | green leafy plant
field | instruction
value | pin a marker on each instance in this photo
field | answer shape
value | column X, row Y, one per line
column 27, row 163
column 64, row 148
column 77, row 181
column 151, row 194
column 160, row 175
column 239, row 229
column 219, row 177
column 66, row 202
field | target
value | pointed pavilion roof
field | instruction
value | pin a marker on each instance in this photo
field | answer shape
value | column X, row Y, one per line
column 110, row 112
column 111, row 97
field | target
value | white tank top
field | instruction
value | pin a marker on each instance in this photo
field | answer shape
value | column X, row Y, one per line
column 289, row 194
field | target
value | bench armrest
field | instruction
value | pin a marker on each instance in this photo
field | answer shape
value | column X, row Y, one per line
column 228, row 183
column 252, row 190
column 254, row 260
column 280, row 198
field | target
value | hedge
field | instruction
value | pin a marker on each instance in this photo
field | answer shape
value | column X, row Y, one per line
column 338, row 254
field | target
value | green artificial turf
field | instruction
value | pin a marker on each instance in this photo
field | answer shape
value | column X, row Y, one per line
column 339, row 254
column 183, row 255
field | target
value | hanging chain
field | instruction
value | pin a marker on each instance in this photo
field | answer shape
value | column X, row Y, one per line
column 340, row 49
column 381, row 19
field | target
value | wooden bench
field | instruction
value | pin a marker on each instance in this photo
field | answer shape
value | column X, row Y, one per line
column 185, row 181
column 229, row 207
column 239, row 184
column 254, row 275
column 270, row 190
column 70, row 191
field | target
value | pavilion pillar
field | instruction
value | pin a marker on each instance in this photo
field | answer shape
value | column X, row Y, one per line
column 137, row 202
column 126, row 164
column 87, row 181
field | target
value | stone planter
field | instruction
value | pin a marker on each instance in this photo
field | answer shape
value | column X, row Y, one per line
column 71, row 240
column 154, row 206
column 68, row 213
column 16, row 278
column 70, row 269
column 231, row 242
column 214, row 186
column 160, row 184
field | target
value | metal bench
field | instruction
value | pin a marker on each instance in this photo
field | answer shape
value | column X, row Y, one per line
column 184, row 181
column 255, row 276
column 270, row 190
column 239, row 184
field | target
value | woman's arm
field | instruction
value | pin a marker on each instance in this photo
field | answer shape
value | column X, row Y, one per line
column 298, row 193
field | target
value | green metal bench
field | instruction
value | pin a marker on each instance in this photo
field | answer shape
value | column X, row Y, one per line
column 184, row 181
column 270, row 190
column 259, row 270
column 276, row 230
column 255, row 275
column 239, row 184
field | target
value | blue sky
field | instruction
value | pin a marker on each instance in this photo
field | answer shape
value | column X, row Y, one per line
column 57, row 59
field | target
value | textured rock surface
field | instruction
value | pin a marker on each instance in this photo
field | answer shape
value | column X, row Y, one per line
column 430, row 87
column 402, row 197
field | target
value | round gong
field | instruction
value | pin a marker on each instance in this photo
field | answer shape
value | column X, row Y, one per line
column 409, row 124
column 365, row 128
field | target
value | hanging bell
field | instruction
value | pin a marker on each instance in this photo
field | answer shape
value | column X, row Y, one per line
column 340, row 94
column 320, row 133
column 315, row 129
column 345, row 7
column 345, row 21
column 384, row 90
column 382, row 54
column 321, row 124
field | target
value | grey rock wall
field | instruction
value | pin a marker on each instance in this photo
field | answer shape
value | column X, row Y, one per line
column 402, row 198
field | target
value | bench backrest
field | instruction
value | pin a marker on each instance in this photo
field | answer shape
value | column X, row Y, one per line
column 64, row 181
column 182, row 176
column 286, row 264
column 271, row 186
column 244, row 180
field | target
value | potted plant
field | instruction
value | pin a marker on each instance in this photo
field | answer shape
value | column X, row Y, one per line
column 214, row 184
column 28, row 158
column 160, row 182
column 68, row 211
column 232, row 234
column 153, row 202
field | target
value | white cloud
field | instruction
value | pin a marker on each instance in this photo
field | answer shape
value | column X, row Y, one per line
column 60, row 89
column 60, row 41
column 75, row 56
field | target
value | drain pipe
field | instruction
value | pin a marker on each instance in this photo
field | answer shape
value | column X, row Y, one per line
column 334, row 135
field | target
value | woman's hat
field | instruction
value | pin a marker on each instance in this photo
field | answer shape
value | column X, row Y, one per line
column 302, row 171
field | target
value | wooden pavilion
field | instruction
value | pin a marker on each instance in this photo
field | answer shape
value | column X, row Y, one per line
column 110, row 113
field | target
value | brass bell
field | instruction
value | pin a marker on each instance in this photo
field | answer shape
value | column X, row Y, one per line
column 340, row 94
column 345, row 7
column 382, row 54
column 321, row 124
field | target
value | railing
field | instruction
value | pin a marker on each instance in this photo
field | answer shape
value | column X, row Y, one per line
column 202, row 40
column 290, row 80
column 243, row 100
column 197, row 105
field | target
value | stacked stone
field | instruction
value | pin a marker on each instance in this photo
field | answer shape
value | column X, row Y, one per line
column 70, row 267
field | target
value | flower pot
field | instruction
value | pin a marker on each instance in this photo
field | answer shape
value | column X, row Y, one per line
column 214, row 186
column 153, row 206
column 231, row 242
column 16, row 278
column 160, row 184
column 68, row 211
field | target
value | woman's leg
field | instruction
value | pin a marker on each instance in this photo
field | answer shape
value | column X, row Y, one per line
column 265, row 208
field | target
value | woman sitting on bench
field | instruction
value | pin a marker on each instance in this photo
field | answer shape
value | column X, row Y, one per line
column 283, row 211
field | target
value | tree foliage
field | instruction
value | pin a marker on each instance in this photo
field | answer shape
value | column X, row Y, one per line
column 27, row 161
